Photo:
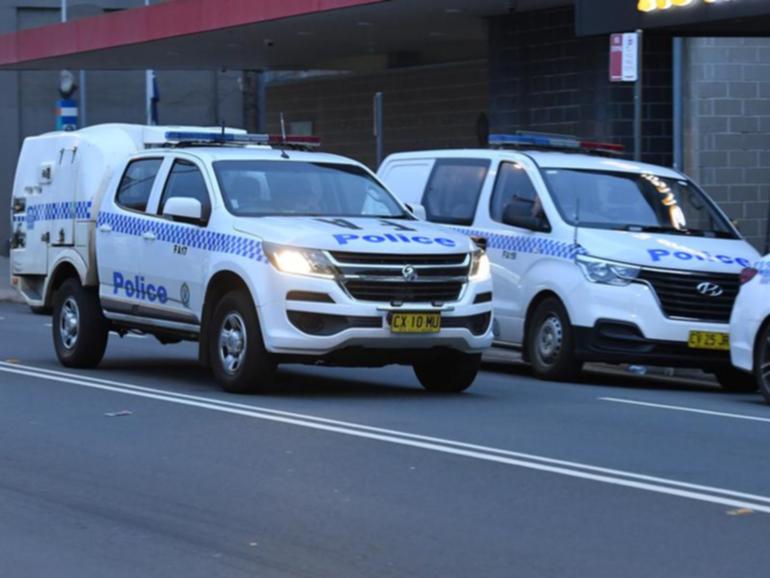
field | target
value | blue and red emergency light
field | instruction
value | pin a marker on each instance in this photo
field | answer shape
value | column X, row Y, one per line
column 553, row 142
column 214, row 138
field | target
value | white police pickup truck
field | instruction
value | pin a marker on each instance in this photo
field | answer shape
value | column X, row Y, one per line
column 264, row 255
column 750, row 325
column 594, row 258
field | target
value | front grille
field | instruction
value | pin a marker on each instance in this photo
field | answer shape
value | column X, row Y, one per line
column 404, row 292
column 384, row 278
column 679, row 296
column 401, row 260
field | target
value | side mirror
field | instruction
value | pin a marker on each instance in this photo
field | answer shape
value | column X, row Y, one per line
column 418, row 211
column 519, row 214
column 184, row 209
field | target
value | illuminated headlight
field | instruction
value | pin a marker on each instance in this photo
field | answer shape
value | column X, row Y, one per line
column 297, row 261
column 607, row 272
column 480, row 267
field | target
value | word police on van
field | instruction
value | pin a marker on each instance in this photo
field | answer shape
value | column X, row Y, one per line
column 258, row 248
column 594, row 258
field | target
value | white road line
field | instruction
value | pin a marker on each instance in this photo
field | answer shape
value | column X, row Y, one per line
column 686, row 409
column 462, row 445
column 672, row 488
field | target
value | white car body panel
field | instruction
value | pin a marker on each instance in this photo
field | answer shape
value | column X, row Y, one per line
column 153, row 272
column 526, row 263
column 750, row 314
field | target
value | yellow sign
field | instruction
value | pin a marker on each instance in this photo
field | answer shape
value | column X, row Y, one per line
column 653, row 5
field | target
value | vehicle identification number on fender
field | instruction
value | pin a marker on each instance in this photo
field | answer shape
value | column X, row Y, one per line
column 709, row 340
column 415, row 322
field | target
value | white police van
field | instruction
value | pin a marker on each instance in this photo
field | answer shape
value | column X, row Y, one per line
column 594, row 258
column 264, row 255
column 750, row 325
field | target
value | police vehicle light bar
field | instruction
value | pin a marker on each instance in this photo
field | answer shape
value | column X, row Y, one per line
column 555, row 142
column 213, row 138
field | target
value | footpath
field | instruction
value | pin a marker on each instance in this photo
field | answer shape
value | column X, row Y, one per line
column 7, row 293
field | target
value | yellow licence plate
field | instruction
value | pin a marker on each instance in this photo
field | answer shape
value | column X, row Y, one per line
column 415, row 322
column 709, row 340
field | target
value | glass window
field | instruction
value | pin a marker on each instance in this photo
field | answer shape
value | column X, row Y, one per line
column 136, row 184
column 513, row 185
column 186, row 180
column 265, row 188
column 635, row 202
column 453, row 190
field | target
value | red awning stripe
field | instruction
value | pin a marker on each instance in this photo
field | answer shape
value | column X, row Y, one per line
column 167, row 20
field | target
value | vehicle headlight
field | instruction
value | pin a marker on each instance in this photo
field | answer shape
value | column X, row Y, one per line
column 298, row 261
column 607, row 272
column 480, row 267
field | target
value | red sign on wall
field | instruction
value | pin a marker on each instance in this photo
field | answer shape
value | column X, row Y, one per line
column 624, row 57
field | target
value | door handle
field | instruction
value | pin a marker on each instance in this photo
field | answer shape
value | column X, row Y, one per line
column 148, row 236
column 105, row 228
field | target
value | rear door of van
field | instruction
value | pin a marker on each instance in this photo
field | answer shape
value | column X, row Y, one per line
column 407, row 177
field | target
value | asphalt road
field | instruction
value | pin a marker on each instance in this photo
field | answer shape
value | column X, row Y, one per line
column 359, row 473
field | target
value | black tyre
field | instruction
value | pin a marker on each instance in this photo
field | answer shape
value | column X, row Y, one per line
column 236, row 351
column 735, row 380
column 762, row 363
column 550, row 343
column 80, row 330
column 448, row 372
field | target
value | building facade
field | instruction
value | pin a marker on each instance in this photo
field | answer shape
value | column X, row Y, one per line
column 461, row 70
column 28, row 104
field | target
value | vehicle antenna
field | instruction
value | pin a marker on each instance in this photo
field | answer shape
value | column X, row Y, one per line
column 283, row 138
column 223, row 130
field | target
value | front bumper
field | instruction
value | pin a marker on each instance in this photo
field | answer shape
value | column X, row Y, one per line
column 613, row 341
column 361, row 326
column 590, row 303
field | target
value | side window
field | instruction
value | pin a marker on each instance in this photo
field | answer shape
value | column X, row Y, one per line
column 186, row 180
column 513, row 185
column 136, row 184
column 453, row 190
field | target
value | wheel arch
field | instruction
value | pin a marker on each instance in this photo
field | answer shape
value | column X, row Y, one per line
column 757, row 338
column 533, row 304
column 62, row 270
column 219, row 285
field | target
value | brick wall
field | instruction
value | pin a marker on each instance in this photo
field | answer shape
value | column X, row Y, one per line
column 427, row 107
column 543, row 78
column 727, row 127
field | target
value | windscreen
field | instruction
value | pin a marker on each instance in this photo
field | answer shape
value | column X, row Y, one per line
column 635, row 202
column 293, row 188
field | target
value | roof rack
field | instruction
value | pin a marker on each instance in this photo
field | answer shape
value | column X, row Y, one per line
column 553, row 142
column 294, row 142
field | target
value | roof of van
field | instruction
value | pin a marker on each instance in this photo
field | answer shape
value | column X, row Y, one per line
column 548, row 160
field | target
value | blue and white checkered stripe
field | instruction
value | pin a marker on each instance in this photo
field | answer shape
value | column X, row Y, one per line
column 527, row 244
column 80, row 210
column 194, row 237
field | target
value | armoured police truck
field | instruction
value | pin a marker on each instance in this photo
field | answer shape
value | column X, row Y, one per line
column 258, row 248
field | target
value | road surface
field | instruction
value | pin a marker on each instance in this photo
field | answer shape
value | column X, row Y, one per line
column 145, row 468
